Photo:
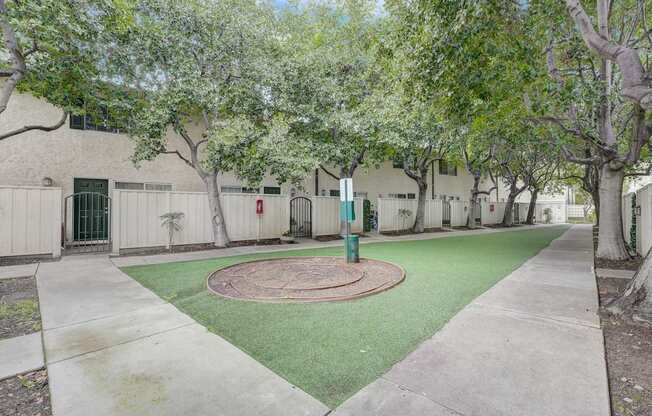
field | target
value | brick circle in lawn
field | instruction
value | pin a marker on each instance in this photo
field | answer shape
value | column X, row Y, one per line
column 304, row 279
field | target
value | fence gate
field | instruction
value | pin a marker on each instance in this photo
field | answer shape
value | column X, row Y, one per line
column 477, row 213
column 301, row 217
column 446, row 213
column 87, row 223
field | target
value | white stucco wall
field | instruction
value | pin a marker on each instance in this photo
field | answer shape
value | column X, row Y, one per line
column 65, row 154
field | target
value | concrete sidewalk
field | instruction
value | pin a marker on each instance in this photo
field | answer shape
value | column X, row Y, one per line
column 114, row 348
column 531, row 345
column 304, row 244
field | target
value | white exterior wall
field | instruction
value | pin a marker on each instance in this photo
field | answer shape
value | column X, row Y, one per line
column 30, row 221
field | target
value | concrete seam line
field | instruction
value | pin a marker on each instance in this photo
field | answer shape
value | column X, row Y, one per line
column 405, row 388
column 163, row 302
column 123, row 343
column 558, row 319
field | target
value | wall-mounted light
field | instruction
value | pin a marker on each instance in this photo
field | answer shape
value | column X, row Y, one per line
column 47, row 181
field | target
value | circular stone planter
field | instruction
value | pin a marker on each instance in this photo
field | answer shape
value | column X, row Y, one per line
column 304, row 279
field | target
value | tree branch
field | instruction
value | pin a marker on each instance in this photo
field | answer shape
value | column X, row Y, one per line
column 176, row 152
column 24, row 129
column 337, row 178
column 635, row 85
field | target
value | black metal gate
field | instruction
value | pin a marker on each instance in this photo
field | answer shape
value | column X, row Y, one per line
column 477, row 213
column 87, row 223
column 446, row 213
column 301, row 217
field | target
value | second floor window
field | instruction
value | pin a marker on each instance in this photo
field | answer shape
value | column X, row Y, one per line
column 447, row 168
column 99, row 120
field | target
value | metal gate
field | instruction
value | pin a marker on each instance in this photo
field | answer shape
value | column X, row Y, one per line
column 87, row 223
column 446, row 213
column 517, row 213
column 301, row 217
column 477, row 213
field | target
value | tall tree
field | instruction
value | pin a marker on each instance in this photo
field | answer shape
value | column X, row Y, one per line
column 417, row 133
column 201, row 71
column 333, row 75
column 607, row 116
column 52, row 49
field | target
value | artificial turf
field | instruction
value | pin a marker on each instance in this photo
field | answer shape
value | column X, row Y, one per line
column 332, row 350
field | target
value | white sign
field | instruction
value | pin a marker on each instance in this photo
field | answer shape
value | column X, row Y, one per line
column 346, row 189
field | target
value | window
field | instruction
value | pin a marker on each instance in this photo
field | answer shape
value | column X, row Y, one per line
column 99, row 120
column 129, row 185
column 231, row 189
column 399, row 196
column 158, row 187
column 144, row 186
column 446, row 168
column 239, row 190
column 397, row 164
column 360, row 195
column 334, row 192
column 272, row 190
column 411, row 196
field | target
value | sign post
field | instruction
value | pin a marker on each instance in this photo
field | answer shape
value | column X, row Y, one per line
column 347, row 214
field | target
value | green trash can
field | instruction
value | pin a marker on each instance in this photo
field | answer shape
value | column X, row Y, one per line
column 352, row 245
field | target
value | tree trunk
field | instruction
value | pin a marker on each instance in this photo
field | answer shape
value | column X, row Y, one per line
column 637, row 297
column 611, row 244
column 508, row 217
column 532, row 207
column 218, row 224
column 419, row 218
column 470, row 218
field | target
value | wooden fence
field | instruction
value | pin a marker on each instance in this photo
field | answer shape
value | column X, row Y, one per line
column 30, row 221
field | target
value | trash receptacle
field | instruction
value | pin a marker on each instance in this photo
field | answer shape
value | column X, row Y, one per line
column 352, row 243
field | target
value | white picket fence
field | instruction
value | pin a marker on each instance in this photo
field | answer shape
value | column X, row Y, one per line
column 326, row 215
column 390, row 219
column 30, row 221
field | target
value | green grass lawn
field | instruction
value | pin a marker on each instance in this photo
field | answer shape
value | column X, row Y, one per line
column 331, row 350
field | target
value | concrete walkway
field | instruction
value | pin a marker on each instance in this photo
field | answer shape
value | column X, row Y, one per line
column 531, row 345
column 114, row 348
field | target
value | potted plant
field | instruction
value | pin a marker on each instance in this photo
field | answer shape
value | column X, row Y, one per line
column 287, row 237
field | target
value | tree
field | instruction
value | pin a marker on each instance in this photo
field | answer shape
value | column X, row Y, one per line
column 461, row 53
column 333, row 75
column 53, row 51
column 417, row 134
column 201, row 70
column 636, row 88
column 608, row 118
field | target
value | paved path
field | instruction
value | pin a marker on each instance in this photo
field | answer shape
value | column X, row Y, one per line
column 304, row 244
column 114, row 348
column 20, row 355
column 531, row 345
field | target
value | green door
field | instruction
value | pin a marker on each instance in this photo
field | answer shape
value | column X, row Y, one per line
column 91, row 209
